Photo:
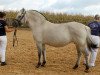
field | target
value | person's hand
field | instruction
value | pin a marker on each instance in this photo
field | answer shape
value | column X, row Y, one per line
column 8, row 29
column 11, row 29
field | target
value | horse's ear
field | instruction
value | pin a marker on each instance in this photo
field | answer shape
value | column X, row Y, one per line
column 22, row 10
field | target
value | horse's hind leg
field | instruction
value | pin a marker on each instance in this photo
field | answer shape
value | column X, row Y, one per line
column 86, row 58
column 79, row 56
column 44, row 55
column 39, row 47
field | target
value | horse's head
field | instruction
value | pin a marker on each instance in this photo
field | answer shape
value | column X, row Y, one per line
column 20, row 18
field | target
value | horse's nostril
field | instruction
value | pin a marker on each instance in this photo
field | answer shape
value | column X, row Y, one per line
column 16, row 23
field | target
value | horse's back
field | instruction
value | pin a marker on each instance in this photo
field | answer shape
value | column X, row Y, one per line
column 78, row 32
column 75, row 25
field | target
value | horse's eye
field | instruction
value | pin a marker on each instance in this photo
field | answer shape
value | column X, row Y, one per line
column 19, row 16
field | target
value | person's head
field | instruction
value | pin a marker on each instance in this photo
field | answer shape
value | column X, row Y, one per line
column 2, row 14
column 97, row 17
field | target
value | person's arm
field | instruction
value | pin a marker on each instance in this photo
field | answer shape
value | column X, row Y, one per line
column 99, row 28
column 8, row 29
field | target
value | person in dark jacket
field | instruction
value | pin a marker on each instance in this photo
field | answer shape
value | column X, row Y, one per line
column 3, row 37
column 95, row 33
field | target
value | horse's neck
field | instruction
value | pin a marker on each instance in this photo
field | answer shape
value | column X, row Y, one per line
column 34, row 25
column 34, row 18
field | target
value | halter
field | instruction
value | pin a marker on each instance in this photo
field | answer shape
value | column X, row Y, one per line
column 21, row 16
column 16, row 23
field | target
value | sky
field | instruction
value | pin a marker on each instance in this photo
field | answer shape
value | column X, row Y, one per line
column 84, row 7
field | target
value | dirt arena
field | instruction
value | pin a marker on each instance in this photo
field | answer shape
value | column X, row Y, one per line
column 22, row 59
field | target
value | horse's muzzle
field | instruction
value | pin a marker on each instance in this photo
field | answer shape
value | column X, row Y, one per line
column 16, row 23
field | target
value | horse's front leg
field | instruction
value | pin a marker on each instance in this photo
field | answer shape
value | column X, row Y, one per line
column 44, row 55
column 39, row 47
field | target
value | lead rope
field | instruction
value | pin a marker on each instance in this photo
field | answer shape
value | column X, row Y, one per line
column 15, row 37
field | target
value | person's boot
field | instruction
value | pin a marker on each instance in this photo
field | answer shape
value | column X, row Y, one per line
column 3, row 63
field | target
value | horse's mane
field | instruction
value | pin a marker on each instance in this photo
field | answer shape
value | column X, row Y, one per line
column 38, row 14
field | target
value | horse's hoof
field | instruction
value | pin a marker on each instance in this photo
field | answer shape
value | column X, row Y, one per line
column 75, row 67
column 84, row 64
column 87, row 71
column 38, row 65
column 43, row 64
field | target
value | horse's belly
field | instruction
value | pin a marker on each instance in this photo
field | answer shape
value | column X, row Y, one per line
column 58, row 43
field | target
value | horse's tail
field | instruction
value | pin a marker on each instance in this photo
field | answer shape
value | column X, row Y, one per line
column 90, row 41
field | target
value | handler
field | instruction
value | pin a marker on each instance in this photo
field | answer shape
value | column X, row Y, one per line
column 95, row 33
column 3, row 37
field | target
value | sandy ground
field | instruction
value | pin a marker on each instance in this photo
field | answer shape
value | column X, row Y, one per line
column 22, row 59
